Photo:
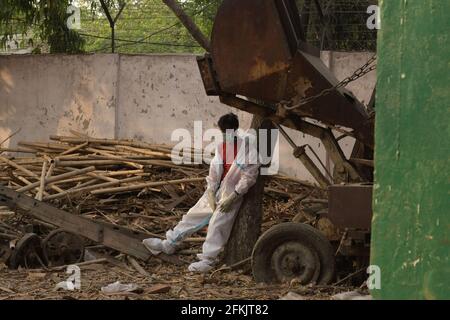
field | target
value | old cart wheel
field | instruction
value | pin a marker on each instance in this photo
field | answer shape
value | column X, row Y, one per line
column 62, row 247
column 28, row 253
column 293, row 250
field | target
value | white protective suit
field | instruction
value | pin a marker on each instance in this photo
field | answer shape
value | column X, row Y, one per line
column 241, row 177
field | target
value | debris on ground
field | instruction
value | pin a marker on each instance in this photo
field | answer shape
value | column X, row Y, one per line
column 352, row 295
column 118, row 287
column 129, row 184
column 292, row 296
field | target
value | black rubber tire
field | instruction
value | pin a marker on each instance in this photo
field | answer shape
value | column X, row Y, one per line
column 288, row 232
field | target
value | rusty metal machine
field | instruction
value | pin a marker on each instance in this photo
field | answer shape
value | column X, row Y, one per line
column 66, row 245
column 258, row 61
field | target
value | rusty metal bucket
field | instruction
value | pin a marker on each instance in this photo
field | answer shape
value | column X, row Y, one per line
column 258, row 51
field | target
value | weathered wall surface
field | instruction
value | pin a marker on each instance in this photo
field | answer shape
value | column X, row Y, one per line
column 44, row 95
column 411, row 222
column 161, row 93
column 143, row 97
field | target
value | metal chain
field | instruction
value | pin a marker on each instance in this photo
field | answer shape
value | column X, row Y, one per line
column 369, row 66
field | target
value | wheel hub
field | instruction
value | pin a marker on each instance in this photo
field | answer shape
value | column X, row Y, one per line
column 62, row 247
column 293, row 260
column 28, row 253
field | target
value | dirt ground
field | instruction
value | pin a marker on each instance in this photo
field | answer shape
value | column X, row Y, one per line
column 176, row 283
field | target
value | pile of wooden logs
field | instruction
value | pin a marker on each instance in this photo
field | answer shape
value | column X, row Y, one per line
column 126, row 182
column 73, row 167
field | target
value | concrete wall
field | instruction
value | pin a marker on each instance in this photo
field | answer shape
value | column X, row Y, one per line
column 161, row 93
column 144, row 97
column 44, row 95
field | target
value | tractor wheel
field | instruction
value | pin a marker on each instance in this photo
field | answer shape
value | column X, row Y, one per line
column 293, row 251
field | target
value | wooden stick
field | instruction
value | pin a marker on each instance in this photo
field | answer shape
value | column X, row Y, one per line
column 111, row 156
column 52, row 147
column 86, row 184
column 18, row 150
column 96, row 175
column 10, row 136
column 138, row 267
column 122, row 161
column 42, row 181
column 113, row 142
column 89, row 163
column 58, row 178
column 146, row 185
column 50, row 170
column 122, row 173
column 28, row 183
column 73, row 180
column 90, row 188
column 28, row 172
column 81, row 264
column 71, row 150
column 17, row 166
column 145, row 151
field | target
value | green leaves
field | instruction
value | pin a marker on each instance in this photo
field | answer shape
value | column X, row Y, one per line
column 45, row 19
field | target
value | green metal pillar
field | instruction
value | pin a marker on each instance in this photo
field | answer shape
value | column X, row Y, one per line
column 411, row 224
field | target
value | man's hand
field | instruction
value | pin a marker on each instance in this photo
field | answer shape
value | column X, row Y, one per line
column 212, row 199
column 226, row 204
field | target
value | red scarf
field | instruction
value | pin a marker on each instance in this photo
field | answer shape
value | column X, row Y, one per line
column 226, row 164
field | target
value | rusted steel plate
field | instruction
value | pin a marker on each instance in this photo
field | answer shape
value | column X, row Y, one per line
column 350, row 206
column 250, row 51
column 257, row 51
column 308, row 77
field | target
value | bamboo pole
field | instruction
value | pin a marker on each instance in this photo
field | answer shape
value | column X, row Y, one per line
column 73, row 180
column 43, row 145
column 90, row 188
column 86, row 184
column 28, row 183
column 19, row 150
column 111, row 142
column 58, row 178
column 146, row 185
column 121, row 161
column 42, row 181
column 71, row 150
column 96, row 175
column 106, row 176
column 111, row 156
column 50, row 170
column 145, row 151
column 121, row 173
column 28, row 172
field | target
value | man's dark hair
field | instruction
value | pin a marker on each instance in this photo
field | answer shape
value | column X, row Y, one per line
column 228, row 122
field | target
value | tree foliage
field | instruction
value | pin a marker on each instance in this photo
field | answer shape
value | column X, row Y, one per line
column 46, row 19
column 148, row 26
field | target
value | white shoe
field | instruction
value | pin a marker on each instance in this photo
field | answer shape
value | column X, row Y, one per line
column 202, row 266
column 156, row 246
